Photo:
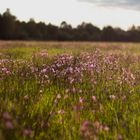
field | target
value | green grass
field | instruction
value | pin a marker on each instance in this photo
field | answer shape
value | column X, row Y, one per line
column 78, row 91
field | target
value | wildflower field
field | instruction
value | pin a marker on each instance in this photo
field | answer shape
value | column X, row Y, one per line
column 69, row 91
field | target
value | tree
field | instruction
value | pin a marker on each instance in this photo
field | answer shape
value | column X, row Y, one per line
column 11, row 28
column 108, row 34
column 88, row 32
column 52, row 32
column 8, row 22
column 133, row 34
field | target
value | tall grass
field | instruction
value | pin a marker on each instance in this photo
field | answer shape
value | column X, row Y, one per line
column 69, row 95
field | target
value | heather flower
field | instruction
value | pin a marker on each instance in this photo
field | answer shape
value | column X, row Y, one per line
column 6, row 116
column 85, row 126
column 81, row 100
column 66, row 96
column 4, row 69
column 27, row 132
column 94, row 98
column 128, row 76
column 26, row 97
column 113, row 97
column 97, row 124
column 9, row 125
column 123, row 97
column 8, row 72
column 61, row 111
column 80, row 91
column 58, row 96
column 44, row 70
column 67, row 90
column 40, row 91
column 120, row 137
column 106, row 128
column 78, row 107
column 73, row 90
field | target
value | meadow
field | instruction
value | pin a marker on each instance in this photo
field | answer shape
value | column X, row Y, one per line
column 69, row 91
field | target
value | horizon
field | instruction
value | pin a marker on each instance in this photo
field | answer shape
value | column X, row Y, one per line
column 75, row 12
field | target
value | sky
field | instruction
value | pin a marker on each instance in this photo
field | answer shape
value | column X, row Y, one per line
column 117, row 13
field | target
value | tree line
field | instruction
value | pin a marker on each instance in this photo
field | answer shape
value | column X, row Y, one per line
column 13, row 29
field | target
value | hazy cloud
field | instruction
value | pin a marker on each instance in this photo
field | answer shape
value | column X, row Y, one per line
column 130, row 4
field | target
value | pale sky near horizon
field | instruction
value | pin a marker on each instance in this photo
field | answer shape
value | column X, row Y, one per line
column 117, row 13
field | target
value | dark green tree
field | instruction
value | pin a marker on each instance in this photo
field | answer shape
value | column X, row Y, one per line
column 8, row 25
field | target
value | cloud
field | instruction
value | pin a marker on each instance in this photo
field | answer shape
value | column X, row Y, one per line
column 127, row 4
